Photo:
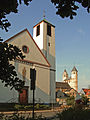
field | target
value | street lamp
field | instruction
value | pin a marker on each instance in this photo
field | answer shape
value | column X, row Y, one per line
column 33, row 79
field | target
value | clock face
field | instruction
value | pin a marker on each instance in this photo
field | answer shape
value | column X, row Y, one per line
column 25, row 49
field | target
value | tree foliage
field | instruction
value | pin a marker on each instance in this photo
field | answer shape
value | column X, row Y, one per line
column 8, row 52
column 84, row 99
column 70, row 100
column 68, row 8
column 6, row 7
column 75, row 113
column 8, row 75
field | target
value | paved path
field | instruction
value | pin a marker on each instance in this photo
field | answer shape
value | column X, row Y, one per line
column 43, row 113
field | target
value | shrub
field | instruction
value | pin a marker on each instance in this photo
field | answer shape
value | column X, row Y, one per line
column 75, row 113
column 16, row 116
column 70, row 101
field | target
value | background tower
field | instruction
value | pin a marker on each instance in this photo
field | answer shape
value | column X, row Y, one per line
column 74, row 78
column 65, row 75
column 44, row 36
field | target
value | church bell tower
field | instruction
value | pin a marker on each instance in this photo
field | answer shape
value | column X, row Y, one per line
column 44, row 36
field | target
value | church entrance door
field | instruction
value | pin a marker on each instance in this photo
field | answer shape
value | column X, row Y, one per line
column 23, row 96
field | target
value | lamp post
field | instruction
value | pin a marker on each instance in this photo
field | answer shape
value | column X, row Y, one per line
column 33, row 79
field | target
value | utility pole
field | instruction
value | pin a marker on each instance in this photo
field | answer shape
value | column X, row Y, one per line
column 33, row 105
column 33, row 79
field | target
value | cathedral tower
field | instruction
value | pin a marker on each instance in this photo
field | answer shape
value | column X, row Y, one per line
column 65, row 75
column 44, row 36
column 74, row 77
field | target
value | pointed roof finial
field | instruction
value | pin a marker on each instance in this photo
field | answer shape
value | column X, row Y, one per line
column 44, row 14
column 65, row 70
column 74, row 69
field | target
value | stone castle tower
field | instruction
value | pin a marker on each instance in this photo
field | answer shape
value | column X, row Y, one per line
column 44, row 36
column 73, row 79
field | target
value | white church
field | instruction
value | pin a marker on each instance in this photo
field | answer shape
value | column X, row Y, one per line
column 40, row 54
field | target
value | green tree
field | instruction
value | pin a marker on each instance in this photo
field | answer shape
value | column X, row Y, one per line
column 70, row 100
column 68, row 8
column 8, row 75
column 6, row 7
column 8, row 52
column 75, row 113
column 84, row 99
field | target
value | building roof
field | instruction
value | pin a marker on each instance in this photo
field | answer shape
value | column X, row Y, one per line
column 60, row 94
column 44, row 20
column 86, row 91
column 74, row 69
column 71, row 89
column 62, row 85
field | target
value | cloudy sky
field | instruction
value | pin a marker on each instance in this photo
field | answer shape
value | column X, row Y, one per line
column 71, row 36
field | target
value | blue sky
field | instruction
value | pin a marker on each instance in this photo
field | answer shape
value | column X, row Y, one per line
column 71, row 36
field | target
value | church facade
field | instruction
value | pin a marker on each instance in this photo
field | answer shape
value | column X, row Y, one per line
column 39, row 52
column 73, row 79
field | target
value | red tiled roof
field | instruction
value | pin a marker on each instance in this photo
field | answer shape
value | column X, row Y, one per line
column 86, row 91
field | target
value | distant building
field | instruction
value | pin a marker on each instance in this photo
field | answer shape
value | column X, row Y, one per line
column 61, row 97
column 65, row 88
column 73, row 79
column 62, row 86
column 87, row 92
column 68, row 87
column 71, row 92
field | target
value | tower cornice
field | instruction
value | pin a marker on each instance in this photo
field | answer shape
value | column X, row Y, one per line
column 44, row 20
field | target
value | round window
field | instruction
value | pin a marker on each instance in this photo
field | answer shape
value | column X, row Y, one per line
column 25, row 49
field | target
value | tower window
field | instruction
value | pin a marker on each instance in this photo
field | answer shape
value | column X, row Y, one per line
column 49, row 44
column 38, row 30
column 48, row 29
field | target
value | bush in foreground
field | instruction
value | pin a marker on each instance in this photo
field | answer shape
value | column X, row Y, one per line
column 17, row 116
column 76, row 113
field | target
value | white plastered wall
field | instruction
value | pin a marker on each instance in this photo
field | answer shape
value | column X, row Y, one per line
column 38, row 39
